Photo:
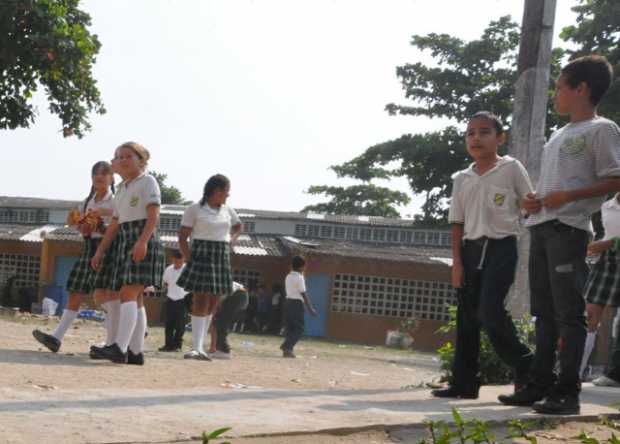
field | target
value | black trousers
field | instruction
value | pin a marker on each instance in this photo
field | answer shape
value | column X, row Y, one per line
column 294, row 321
column 175, row 315
column 489, row 273
column 228, row 312
column 558, row 273
column 613, row 364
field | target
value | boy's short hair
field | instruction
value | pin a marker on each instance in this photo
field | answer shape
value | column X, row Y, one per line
column 497, row 123
column 176, row 254
column 594, row 70
column 298, row 263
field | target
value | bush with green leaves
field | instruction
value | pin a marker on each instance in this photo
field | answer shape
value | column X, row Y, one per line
column 492, row 369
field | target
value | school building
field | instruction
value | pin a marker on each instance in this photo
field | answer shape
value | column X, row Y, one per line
column 365, row 275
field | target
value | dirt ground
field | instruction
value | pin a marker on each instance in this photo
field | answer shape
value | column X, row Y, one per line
column 257, row 361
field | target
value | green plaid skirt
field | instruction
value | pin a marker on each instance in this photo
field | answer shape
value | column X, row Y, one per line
column 125, row 271
column 208, row 269
column 603, row 284
column 103, row 278
column 82, row 274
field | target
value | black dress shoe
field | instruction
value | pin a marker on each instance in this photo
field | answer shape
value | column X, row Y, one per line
column 135, row 359
column 165, row 348
column 453, row 392
column 113, row 353
column 525, row 397
column 48, row 341
column 558, row 404
column 98, row 352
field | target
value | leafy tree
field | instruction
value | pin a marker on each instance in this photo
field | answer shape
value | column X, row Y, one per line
column 598, row 31
column 169, row 194
column 365, row 200
column 47, row 43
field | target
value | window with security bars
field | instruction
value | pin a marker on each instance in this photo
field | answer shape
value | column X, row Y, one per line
column 300, row 230
column 378, row 234
column 168, row 223
column 392, row 236
column 313, row 231
column 25, row 267
column 406, row 237
column 247, row 278
column 249, row 227
column 339, row 232
column 326, row 231
column 401, row 298
column 23, row 216
column 352, row 233
column 446, row 239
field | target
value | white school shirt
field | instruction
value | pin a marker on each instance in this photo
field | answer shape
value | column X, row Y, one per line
column 212, row 224
column 610, row 214
column 295, row 285
column 171, row 275
column 132, row 199
column 107, row 202
column 488, row 205
column 577, row 155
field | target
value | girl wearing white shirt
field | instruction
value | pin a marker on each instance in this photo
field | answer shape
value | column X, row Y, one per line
column 213, row 226
column 139, row 258
column 603, row 285
column 90, row 221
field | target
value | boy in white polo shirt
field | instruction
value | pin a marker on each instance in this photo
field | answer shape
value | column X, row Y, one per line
column 296, row 298
column 175, row 305
column 580, row 166
column 484, row 214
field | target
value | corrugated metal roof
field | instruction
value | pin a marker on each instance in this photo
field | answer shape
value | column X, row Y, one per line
column 36, row 202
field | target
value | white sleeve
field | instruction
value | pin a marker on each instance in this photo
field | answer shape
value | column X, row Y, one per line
column 456, row 215
column 302, row 284
column 234, row 218
column 166, row 276
column 606, row 146
column 151, row 192
column 189, row 216
column 523, row 184
column 114, row 206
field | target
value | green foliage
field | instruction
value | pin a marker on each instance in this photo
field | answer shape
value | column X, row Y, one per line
column 597, row 30
column 492, row 369
column 363, row 200
column 207, row 437
column 47, row 43
column 169, row 194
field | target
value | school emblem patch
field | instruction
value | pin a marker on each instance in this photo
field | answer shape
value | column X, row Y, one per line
column 499, row 199
column 134, row 201
column 574, row 145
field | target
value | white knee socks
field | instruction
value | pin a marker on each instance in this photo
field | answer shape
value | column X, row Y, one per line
column 68, row 316
column 136, row 345
column 126, row 324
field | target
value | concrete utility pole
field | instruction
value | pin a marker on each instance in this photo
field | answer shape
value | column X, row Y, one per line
column 529, row 116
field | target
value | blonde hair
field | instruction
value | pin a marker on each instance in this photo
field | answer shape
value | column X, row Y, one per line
column 140, row 151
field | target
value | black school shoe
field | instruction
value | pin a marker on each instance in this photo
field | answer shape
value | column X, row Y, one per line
column 48, row 341
column 113, row 353
column 558, row 404
column 454, row 392
column 98, row 352
column 135, row 359
column 524, row 397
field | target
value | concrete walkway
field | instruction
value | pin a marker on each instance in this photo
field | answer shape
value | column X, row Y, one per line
column 96, row 416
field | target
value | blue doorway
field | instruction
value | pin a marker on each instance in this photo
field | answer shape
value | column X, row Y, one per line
column 318, row 286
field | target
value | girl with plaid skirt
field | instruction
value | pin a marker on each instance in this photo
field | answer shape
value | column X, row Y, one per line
column 96, row 212
column 603, row 287
column 213, row 226
column 138, row 256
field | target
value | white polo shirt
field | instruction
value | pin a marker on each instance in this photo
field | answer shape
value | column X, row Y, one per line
column 171, row 275
column 132, row 199
column 577, row 155
column 610, row 212
column 488, row 204
column 212, row 224
column 295, row 285
column 107, row 202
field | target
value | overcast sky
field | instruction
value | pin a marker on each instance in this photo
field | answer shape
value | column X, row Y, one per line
column 270, row 93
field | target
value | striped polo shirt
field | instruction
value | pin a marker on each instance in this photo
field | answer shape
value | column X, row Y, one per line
column 577, row 156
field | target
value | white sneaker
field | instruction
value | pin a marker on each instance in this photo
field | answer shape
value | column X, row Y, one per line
column 220, row 355
column 195, row 354
column 605, row 381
